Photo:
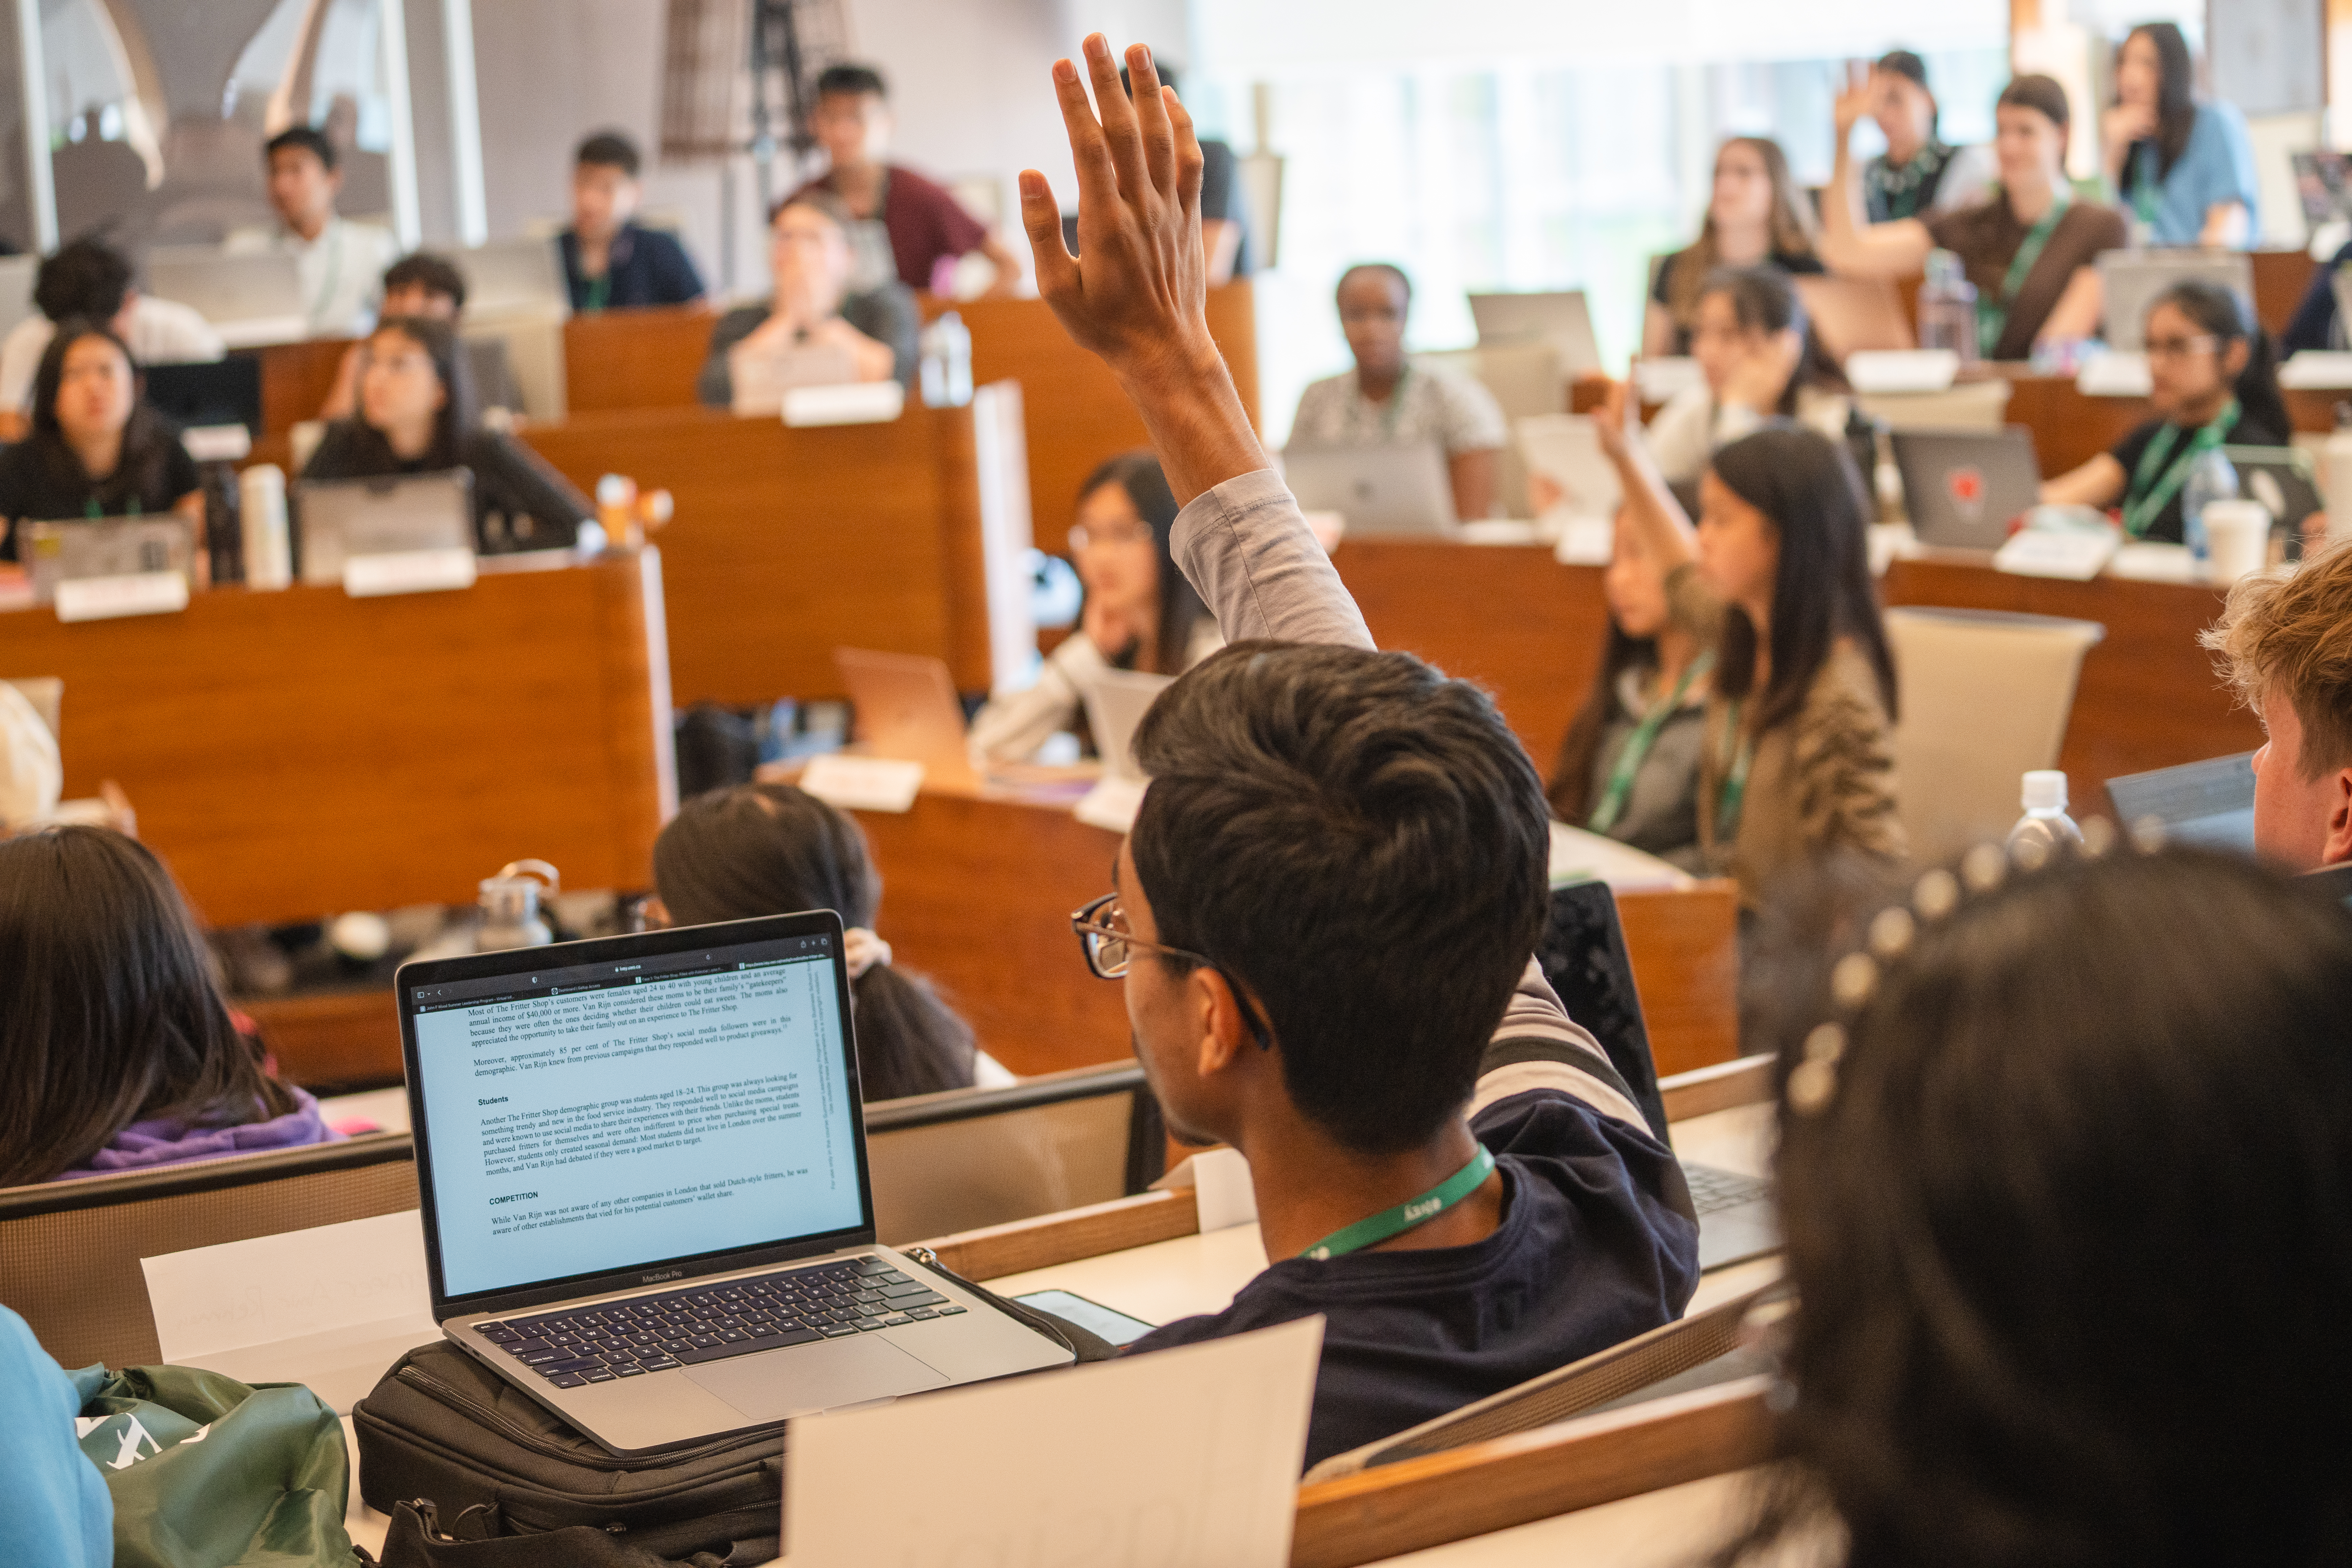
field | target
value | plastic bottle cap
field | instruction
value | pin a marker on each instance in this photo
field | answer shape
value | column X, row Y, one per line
column 2045, row 789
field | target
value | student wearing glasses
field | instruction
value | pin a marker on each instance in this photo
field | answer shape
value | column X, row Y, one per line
column 2213, row 384
column 1140, row 612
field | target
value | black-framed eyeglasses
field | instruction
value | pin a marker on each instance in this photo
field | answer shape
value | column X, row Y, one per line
column 1111, row 950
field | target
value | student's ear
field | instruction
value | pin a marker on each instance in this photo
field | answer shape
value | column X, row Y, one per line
column 2336, row 849
column 2235, row 360
column 1224, row 1037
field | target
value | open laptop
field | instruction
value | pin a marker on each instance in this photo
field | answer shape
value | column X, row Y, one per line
column 1562, row 319
column 1583, row 955
column 1402, row 488
column 342, row 519
column 73, row 550
column 514, row 276
column 2133, row 279
column 16, row 275
column 251, row 297
column 905, row 707
column 1856, row 315
column 2210, row 803
column 642, row 1167
column 210, row 393
column 1116, row 700
column 759, row 380
column 1964, row 487
column 2284, row 480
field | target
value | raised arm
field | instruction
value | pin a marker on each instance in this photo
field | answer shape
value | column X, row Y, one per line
column 1851, row 246
column 1650, row 509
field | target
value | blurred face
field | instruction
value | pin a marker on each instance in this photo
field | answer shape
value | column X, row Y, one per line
column 302, row 188
column 416, row 299
column 1743, row 188
column 854, row 127
column 1904, row 110
column 1719, row 341
column 602, row 199
column 1372, row 313
column 809, row 257
column 1739, row 548
column 1635, row 588
column 399, row 388
column 2029, row 146
column 2139, row 73
column 95, row 391
column 1111, row 547
column 2301, row 824
column 2189, row 368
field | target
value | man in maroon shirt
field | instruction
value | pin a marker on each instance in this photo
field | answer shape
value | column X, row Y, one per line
column 929, row 229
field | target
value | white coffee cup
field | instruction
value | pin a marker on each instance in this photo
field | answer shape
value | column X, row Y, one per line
column 2237, row 537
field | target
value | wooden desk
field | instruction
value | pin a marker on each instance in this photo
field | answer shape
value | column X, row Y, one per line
column 2281, row 279
column 634, row 359
column 2070, row 428
column 296, row 754
column 295, row 380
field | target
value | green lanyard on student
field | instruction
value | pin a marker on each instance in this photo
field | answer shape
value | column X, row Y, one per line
column 2152, row 484
column 94, row 512
column 1732, row 791
column 599, row 291
column 1637, row 749
column 1393, row 409
column 1393, row 1221
column 1992, row 315
column 2146, row 193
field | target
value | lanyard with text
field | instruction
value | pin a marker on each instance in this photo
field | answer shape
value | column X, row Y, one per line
column 1637, row 749
column 1734, row 790
column 1992, row 315
column 1393, row 409
column 1395, row 1222
column 2152, row 484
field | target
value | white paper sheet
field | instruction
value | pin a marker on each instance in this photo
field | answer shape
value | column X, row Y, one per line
column 864, row 784
column 1038, row 1472
column 1578, row 856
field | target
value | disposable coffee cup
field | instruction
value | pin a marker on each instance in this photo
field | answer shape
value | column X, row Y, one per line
column 2238, row 538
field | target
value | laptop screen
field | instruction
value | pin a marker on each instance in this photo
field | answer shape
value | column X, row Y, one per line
column 2210, row 803
column 603, row 1117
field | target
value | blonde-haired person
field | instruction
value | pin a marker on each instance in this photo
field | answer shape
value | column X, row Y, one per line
column 1755, row 216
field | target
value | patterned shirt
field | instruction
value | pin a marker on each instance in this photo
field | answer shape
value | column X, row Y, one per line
column 1427, row 405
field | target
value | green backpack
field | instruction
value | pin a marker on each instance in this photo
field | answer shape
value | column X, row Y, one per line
column 207, row 1472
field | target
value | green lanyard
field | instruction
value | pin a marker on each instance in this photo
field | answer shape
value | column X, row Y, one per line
column 1734, row 789
column 1992, row 315
column 1637, row 749
column 1392, row 410
column 1405, row 1216
column 334, row 276
column 94, row 512
column 600, row 291
column 2152, row 484
column 2145, row 192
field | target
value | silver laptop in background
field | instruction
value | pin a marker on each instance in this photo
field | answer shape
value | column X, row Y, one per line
column 1404, row 489
column 1562, row 319
column 2210, row 803
column 16, row 305
column 341, row 519
column 1116, row 700
column 642, row 1167
column 1963, row 488
column 514, row 276
column 70, row 550
column 2133, row 279
column 251, row 297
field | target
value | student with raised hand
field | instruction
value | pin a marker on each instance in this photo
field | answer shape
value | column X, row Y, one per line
column 2285, row 645
column 416, row 416
column 1798, row 764
column 95, row 449
column 611, row 262
column 1759, row 360
column 116, row 1047
column 1920, row 174
column 1333, row 890
column 1387, row 400
column 1756, row 217
column 1139, row 613
column 2184, row 169
column 770, row 848
column 91, row 280
column 2029, row 247
column 811, row 305
column 337, row 261
column 2065, row 1161
column 2212, row 382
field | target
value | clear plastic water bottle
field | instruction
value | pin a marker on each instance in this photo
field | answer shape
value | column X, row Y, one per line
column 2045, row 830
column 2214, row 478
column 946, row 347
column 1948, row 307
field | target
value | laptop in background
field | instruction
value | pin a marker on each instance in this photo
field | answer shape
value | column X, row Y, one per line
column 341, row 519
column 514, row 276
column 642, row 1167
column 1116, row 700
column 1404, row 489
column 208, row 395
column 251, row 297
column 2133, row 279
column 2284, row 480
column 905, row 706
column 76, row 549
column 1856, row 315
column 1562, row 319
column 16, row 274
column 2210, row 803
column 1963, row 488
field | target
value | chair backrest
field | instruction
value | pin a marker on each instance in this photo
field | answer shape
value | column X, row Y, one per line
column 69, row 1251
column 1970, row 406
column 46, row 693
column 972, row 1157
column 1985, row 699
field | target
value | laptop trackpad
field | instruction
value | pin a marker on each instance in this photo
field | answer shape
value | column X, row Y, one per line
column 807, row 1378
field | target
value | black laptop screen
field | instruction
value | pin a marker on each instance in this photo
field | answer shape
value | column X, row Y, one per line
column 606, row 1116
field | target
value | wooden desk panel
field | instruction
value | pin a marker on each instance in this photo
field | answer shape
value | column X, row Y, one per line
column 634, row 359
column 2281, row 279
column 296, row 379
column 296, row 754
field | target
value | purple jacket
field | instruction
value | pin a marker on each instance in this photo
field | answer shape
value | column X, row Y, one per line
column 145, row 1145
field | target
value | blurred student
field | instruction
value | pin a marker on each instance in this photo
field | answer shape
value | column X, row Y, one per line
column 1140, row 612
column 423, row 283
column 89, row 279
column 59, row 1511
column 928, row 230
column 2285, row 646
column 117, row 1049
column 2029, row 248
column 811, row 307
column 1388, row 401
column 770, row 848
column 1224, row 210
column 338, row 262
column 611, row 262
column 1920, row 174
column 2185, row 169
column 95, row 449
column 1756, row 216
column 2314, row 324
column 1759, row 360
column 416, row 416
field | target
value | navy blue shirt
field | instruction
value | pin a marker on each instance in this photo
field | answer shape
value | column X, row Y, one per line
column 645, row 267
column 2314, row 323
column 1596, row 1245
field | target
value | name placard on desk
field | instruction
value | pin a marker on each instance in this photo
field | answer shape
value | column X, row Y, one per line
column 131, row 593
column 409, row 571
column 2051, row 552
column 864, row 784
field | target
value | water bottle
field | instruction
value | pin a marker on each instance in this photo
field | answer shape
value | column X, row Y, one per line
column 1948, row 307
column 946, row 346
column 2212, row 478
column 2045, row 830
column 511, row 904
column 224, row 541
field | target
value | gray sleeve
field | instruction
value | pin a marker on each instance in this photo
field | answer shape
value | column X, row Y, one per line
column 715, row 387
column 888, row 316
column 1247, row 549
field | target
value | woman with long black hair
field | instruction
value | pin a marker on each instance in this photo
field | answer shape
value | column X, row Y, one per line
column 97, row 449
column 2185, row 170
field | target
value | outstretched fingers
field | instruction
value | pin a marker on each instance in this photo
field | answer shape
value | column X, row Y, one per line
column 1041, row 217
column 1187, row 149
column 1119, row 128
column 1088, row 151
column 1152, row 124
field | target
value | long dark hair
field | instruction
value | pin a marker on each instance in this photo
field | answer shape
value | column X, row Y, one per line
column 1791, row 225
column 1764, row 299
column 1138, row 474
column 2067, row 1211
column 2216, row 309
column 141, row 472
column 1570, row 789
column 770, row 848
column 2176, row 99
column 109, row 1012
column 1805, row 484
column 457, row 419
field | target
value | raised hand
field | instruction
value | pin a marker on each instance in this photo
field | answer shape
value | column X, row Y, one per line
column 1856, row 98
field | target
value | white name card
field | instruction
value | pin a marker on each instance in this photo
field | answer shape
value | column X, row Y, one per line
column 2044, row 553
column 858, row 402
column 409, row 571
column 132, row 593
column 864, row 784
column 1903, row 370
column 2114, row 375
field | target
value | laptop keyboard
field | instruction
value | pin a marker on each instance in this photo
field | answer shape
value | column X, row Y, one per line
column 1712, row 1191
column 630, row 1338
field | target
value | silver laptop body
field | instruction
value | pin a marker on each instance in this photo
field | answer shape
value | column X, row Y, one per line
column 2133, row 279
column 342, row 519
column 1404, row 489
column 1962, row 487
column 17, row 273
column 1116, row 700
column 514, row 276
column 642, row 1169
column 70, row 550
column 1562, row 318
column 244, row 294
